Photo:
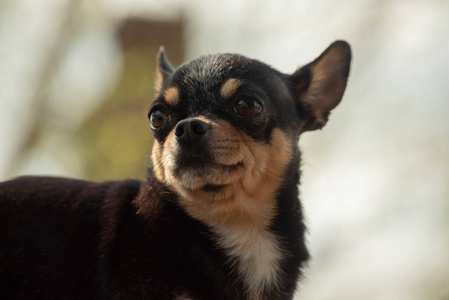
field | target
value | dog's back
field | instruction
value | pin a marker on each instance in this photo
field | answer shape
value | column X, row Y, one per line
column 49, row 234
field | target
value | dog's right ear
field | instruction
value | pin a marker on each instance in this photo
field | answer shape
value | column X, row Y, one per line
column 319, row 86
column 164, row 69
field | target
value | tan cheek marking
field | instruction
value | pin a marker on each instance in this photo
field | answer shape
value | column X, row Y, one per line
column 229, row 88
column 158, row 163
column 167, row 156
column 172, row 96
column 163, row 160
column 269, row 162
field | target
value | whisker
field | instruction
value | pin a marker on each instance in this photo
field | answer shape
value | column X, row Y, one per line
column 225, row 199
column 306, row 163
column 274, row 174
column 264, row 179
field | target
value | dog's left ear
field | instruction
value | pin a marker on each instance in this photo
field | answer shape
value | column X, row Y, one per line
column 319, row 86
column 164, row 69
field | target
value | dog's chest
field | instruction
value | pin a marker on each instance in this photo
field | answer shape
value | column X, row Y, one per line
column 255, row 254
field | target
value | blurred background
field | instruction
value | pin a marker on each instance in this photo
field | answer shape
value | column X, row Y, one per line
column 76, row 79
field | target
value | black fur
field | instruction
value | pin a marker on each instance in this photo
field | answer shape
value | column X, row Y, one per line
column 72, row 239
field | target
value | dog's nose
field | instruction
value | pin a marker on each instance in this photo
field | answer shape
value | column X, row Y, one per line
column 191, row 130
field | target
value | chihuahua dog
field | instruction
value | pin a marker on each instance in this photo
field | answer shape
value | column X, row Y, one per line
column 218, row 216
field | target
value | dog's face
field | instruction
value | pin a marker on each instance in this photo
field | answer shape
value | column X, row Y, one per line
column 226, row 129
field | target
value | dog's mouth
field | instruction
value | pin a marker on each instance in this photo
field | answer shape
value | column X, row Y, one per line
column 204, row 173
column 203, row 163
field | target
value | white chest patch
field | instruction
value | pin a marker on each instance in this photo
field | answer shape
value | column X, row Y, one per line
column 257, row 255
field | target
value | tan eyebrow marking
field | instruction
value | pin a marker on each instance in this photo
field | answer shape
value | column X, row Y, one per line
column 172, row 96
column 230, row 87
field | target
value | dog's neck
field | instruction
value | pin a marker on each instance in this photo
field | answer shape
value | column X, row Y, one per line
column 253, row 244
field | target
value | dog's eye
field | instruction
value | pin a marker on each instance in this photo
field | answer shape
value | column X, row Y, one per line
column 248, row 107
column 158, row 119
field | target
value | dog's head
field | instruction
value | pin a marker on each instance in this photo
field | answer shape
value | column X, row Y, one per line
column 226, row 129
